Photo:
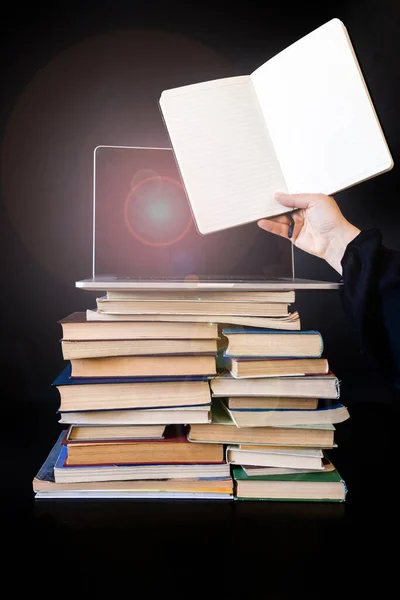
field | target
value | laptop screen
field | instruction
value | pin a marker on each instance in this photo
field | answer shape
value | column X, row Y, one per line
column 143, row 227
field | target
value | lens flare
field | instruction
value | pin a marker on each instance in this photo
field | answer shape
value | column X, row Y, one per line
column 157, row 212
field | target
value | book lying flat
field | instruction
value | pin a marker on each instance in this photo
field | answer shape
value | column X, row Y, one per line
column 259, row 417
column 172, row 448
column 294, row 458
column 248, row 342
column 91, row 394
column 141, row 491
column 192, row 307
column 272, row 403
column 86, row 433
column 289, row 322
column 148, row 416
column 320, row 486
column 273, row 367
column 222, row 430
column 302, row 122
column 143, row 366
column 283, row 296
column 64, row 473
column 253, row 471
column 79, row 326
column 307, row 386
column 72, row 349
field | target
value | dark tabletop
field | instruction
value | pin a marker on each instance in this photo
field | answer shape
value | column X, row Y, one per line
column 279, row 549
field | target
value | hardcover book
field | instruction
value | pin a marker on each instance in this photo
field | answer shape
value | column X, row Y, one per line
column 249, row 342
column 327, row 412
column 306, row 386
column 124, row 393
column 172, row 448
column 325, row 486
column 222, row 430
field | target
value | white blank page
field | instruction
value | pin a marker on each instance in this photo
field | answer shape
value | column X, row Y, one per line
column 319, row 114
column 224, row 152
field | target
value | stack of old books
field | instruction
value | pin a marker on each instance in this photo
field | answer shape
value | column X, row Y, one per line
column 136, row 380
column 275, row 406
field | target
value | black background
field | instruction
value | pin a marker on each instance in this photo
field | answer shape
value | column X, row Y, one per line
column 65, row 90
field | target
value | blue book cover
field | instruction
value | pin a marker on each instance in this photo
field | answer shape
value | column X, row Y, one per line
column 46, row 471
column 64, row 378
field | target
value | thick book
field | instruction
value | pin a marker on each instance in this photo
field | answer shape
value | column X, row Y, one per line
column 79, row 326
column 273, row 367
column 282, row 296
column 248, row 342
column 272, row 403
column 72, row 349
column 172, row 448
column 222, row 430
column 307, row 386
column 288, row 458
column 192, row 307
column 91, row 394
column 143, row 366
column 327, row 412
column 291, row 322
column 320, row 486
column 303, row 121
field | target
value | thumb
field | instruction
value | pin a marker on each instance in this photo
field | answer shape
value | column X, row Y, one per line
column 294, row 200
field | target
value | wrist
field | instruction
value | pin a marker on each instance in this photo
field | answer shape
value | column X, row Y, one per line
column 338, row 244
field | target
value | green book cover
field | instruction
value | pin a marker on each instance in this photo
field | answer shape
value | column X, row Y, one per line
column 321, row 476
column 329, row 477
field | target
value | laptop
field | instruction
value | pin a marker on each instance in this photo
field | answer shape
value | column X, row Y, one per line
column 145, row 237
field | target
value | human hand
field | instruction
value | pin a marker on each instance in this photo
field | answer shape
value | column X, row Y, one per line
column 319, row 226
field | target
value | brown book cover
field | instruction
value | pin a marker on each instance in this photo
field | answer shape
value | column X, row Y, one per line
column 174, row 448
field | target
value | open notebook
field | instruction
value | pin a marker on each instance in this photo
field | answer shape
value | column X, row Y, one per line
column 302, row 122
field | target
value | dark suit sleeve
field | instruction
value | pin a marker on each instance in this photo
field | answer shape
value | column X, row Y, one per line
column 371, row 299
